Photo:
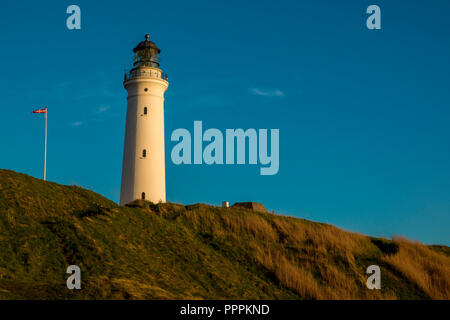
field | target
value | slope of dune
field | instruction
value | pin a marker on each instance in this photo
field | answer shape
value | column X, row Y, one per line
column 173, row 251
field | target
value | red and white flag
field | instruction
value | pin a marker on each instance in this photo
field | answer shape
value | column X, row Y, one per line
column 40, row 111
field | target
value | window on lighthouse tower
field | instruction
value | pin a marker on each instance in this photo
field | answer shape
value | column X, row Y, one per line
column 144, row 153
column 145, row 110
column 143, row 196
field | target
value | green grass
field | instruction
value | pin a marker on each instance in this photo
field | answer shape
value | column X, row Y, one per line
column 172, row 251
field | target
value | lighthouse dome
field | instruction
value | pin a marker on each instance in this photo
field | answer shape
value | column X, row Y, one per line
column 146, row 45
column 146, row 54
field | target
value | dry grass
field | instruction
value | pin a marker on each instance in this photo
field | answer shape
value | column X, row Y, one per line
column 320, row 261
column 311, row 273
column 428, row 269
column 289, row 275
column 135, row 290
column 251, row 225
column 168, row 251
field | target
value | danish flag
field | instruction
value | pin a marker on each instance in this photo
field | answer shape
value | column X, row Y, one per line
column 40, row 111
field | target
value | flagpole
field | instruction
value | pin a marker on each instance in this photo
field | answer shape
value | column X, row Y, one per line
column 45, row 151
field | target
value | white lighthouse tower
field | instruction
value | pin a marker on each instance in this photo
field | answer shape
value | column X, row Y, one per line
column 143, row 171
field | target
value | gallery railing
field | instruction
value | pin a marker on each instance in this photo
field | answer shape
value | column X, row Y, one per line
column 145, row 74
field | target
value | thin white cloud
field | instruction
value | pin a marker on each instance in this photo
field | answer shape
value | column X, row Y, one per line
column 101, row 109
column 266, row 92
column 76, row 124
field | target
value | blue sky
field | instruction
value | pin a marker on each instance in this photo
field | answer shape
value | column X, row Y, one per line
column 363, row 114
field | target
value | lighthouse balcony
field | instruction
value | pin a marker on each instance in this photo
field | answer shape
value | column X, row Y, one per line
column 145, row 73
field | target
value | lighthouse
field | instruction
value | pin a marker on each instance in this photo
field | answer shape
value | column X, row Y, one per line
column 143, row 168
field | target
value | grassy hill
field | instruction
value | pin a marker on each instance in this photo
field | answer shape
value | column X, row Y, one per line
column 172, row 251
